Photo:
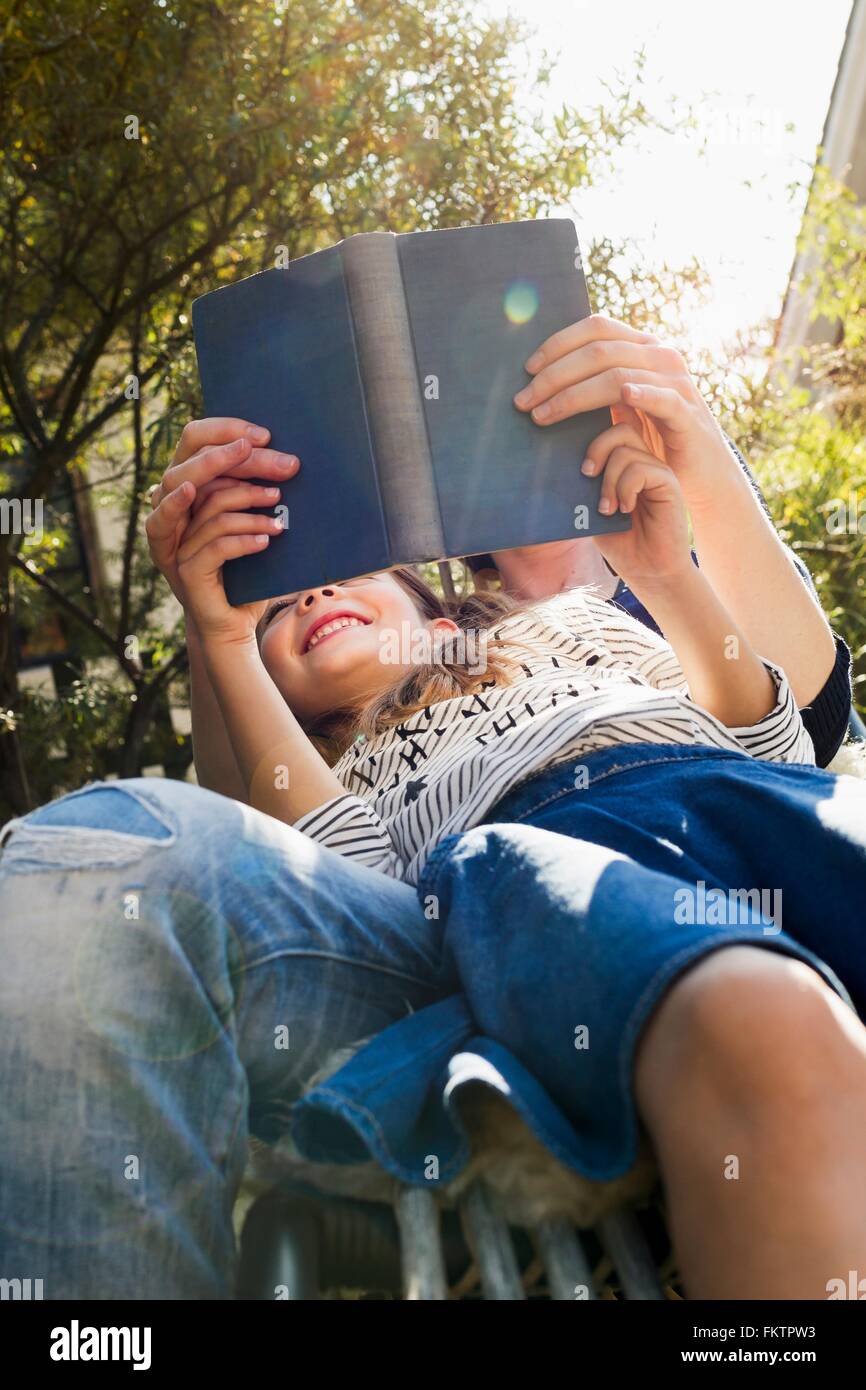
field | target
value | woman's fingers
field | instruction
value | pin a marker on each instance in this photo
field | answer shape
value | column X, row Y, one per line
column 192, row 471
column 662, row 401
column 598, row 356
column 594, row 328
column 227, row 524
column 239, row 458
column 603, row 389
column 234, row 498
column 216, row 429
column 162, row 523
column 590, row 382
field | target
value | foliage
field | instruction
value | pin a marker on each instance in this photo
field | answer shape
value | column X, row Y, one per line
column 79, row 737
column 149, row 151
column 812, row 469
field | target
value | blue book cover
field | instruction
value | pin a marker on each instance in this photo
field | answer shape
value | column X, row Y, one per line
column 388, row 364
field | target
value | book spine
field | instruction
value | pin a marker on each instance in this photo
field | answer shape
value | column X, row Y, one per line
column 389, row 375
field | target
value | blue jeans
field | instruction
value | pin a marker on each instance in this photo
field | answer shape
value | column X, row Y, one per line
column 175, row 967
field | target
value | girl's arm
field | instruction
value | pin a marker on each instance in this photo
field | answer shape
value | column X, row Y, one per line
column 654, row 402
column 722, row 671
column 281, row 772
column 212, row 470
column 721, row 668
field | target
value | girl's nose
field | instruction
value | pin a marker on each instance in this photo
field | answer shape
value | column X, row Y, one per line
column 326, row 592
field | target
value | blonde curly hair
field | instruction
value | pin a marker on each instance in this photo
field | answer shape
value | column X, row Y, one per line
column 447, row 675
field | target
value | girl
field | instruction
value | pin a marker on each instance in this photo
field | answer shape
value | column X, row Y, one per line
column 592, row 811
column 655, row 404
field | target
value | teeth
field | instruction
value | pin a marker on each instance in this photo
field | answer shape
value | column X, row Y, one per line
column 332, row 627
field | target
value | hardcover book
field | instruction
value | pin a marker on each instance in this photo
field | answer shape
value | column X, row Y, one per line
column 388, row 363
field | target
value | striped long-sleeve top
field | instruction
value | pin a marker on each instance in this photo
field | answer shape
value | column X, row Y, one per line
column 593, row 677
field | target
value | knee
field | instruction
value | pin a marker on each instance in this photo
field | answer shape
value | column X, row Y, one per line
column 753, row 1023
column 176, row 807
column 521, row 869
column 145, row 850
column 105, row 824
column 124, row 887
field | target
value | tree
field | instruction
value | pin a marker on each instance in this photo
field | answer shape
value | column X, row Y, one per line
column 150, row 150
column 800, row 416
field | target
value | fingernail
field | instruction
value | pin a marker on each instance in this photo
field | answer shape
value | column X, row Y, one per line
column 541, row 412
column 523, row 397
column 261, row 540
column 587, row 466
column 258, row 433
column 533, row 363
column 604, row 505
column 272, row 492
column 287, row 460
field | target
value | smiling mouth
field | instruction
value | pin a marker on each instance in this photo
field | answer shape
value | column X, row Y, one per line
column 330, row 629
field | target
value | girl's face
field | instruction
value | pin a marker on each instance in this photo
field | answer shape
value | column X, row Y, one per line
column 327, row 647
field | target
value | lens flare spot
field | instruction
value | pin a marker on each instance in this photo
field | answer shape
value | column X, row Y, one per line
column 521, row 302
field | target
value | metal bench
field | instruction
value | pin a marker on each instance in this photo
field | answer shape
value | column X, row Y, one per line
column 298, row 1244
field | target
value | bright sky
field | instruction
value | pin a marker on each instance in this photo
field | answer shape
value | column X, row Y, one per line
column 750, row 68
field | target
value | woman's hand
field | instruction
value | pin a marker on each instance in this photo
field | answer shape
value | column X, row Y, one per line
column 599, row 362
column 214, row 455
column 633, row 481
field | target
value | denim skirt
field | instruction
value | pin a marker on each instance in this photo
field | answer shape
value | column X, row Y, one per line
column 562, row 920
column 701, row 848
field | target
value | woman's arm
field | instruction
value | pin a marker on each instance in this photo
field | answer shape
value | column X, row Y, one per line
column 215, row 764
column 741, row 553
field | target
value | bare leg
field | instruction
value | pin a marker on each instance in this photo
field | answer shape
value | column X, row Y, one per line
column 751, row 1079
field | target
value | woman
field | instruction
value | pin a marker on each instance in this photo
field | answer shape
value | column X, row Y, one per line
column 758, row 1042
